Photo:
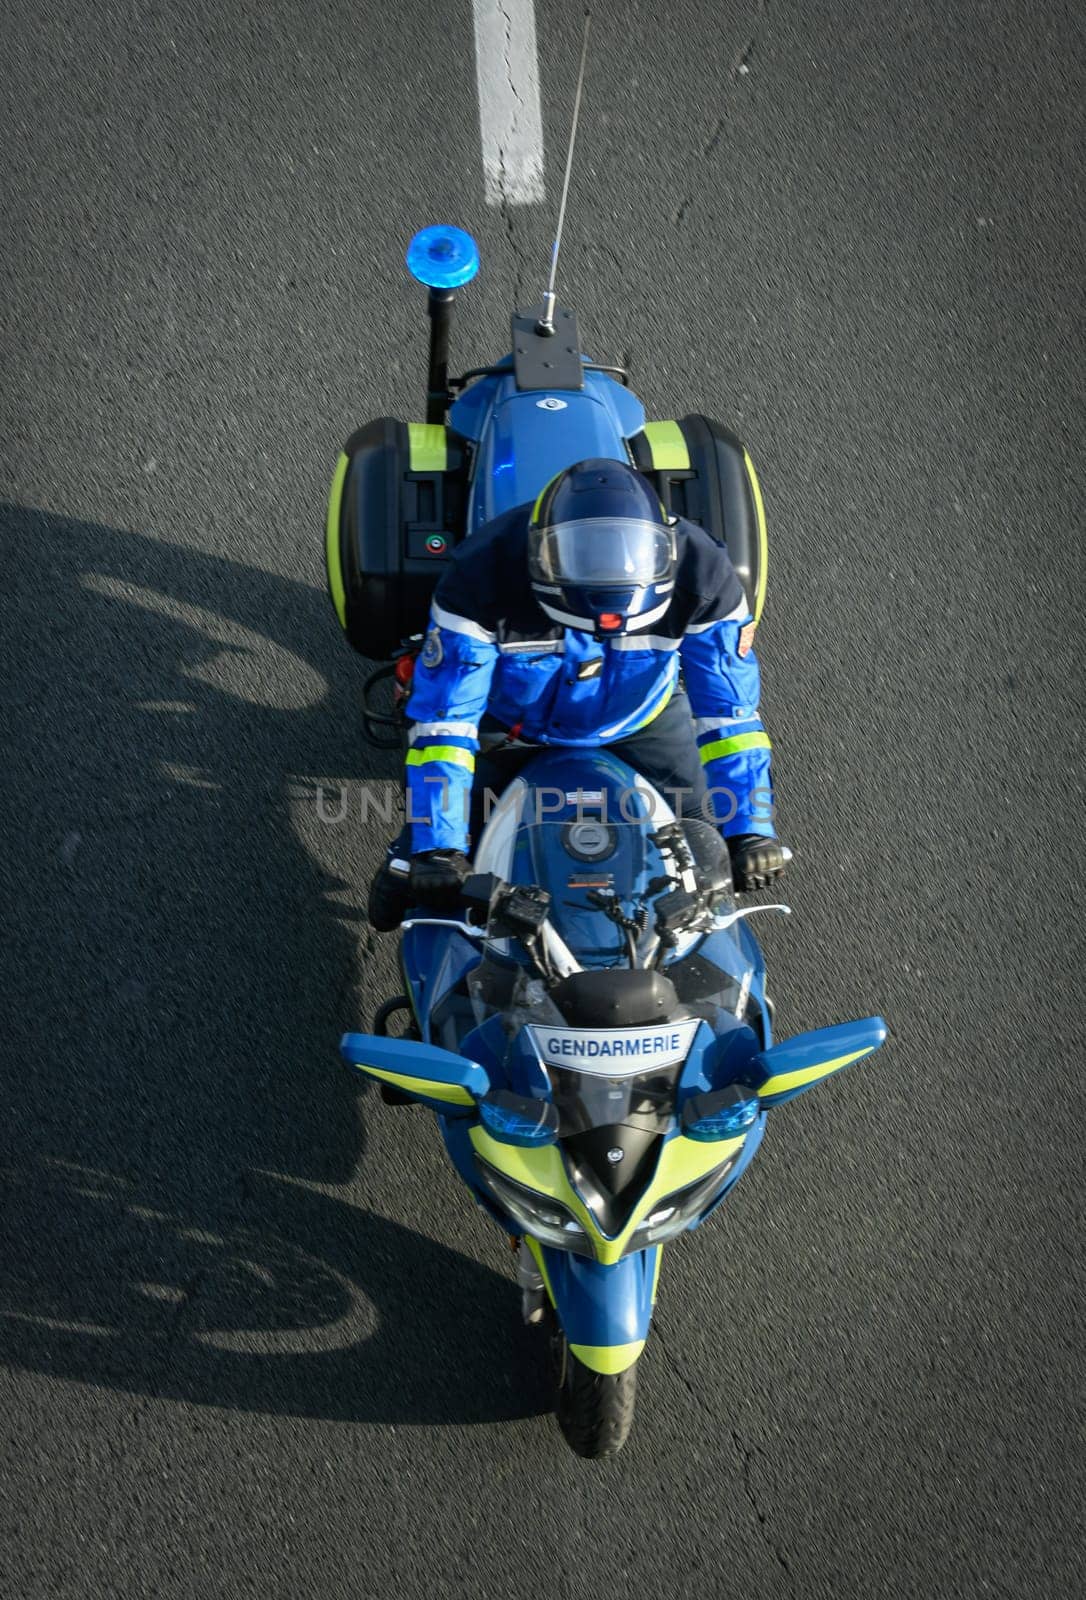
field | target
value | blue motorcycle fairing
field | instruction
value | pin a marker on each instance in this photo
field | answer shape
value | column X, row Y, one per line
column 526, row 1074
column 433, row 962
column 598, row 1305
column 525, row 438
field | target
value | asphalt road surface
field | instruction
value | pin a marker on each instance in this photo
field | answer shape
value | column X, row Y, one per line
column 254, row 1339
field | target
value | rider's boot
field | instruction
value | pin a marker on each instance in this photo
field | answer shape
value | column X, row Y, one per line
column 390, row 897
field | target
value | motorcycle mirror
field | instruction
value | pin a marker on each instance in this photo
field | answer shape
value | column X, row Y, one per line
column 518, row 1119
column 787, row 1069
column 436, row 1077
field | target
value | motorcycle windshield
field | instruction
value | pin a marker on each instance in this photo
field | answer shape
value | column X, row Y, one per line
column 609, row 1088
column 585, row 1102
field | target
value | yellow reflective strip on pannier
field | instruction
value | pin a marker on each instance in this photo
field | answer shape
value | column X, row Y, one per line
column 735, row 745
column 667, row 447
column 441, row 752
column 333, row 559
column 428, row 446
column 763, row 540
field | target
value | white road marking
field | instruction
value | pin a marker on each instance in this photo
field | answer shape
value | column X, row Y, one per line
column 510, row 122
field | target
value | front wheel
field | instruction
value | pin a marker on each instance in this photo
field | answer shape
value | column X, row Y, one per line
column 595, row 1410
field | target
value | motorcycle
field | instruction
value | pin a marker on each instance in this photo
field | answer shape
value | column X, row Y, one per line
column 590, row 1026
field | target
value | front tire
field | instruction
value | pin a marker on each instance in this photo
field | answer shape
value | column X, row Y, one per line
column 595, row 1410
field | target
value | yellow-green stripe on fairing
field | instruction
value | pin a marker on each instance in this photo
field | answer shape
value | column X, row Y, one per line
column 681, row 1162
column 539, row 1169
column 684, row 1161
column 331, row 540
column 763, row 541
column 735, row 745
column 441, row 752
column 784, row 1081
column 454, row 1093
column 608, row 1358
column 668, row 448
column 427, row 447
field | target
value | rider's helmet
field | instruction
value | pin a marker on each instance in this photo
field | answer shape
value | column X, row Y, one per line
column 601, row 551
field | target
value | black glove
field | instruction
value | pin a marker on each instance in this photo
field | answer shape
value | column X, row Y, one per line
column 756, row 861
column 437, row 877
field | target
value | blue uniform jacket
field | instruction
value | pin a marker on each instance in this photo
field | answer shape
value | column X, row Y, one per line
column 490, row 647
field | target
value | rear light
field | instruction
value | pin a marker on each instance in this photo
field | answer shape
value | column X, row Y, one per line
column 403, row 672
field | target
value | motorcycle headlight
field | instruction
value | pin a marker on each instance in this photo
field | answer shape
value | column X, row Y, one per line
column 676, row 1211
column 545, row 1219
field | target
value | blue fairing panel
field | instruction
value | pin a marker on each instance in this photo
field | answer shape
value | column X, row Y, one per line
column 526, row 438
column 468, row 415
column 600, row 1305
column 433, row 960
column 525, row 446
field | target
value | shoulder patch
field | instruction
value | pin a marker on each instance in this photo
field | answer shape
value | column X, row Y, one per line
column 746, row 639
column 433, row 651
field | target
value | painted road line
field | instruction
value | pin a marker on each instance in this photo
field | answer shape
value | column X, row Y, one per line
column 510, row 121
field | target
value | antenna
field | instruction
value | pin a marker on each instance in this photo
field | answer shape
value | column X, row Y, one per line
column 546, row 321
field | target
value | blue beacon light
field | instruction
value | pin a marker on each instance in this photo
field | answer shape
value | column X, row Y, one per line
column 443, row 257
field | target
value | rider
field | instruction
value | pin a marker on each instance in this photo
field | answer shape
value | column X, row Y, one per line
column 567, row 623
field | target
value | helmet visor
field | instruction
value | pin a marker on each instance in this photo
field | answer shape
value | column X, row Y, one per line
column 603, row 550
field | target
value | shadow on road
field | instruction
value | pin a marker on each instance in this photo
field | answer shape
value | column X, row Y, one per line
column 180, row 957
column 297, row 1305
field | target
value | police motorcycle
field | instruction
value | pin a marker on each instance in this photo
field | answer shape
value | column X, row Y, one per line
column 591, row 1025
